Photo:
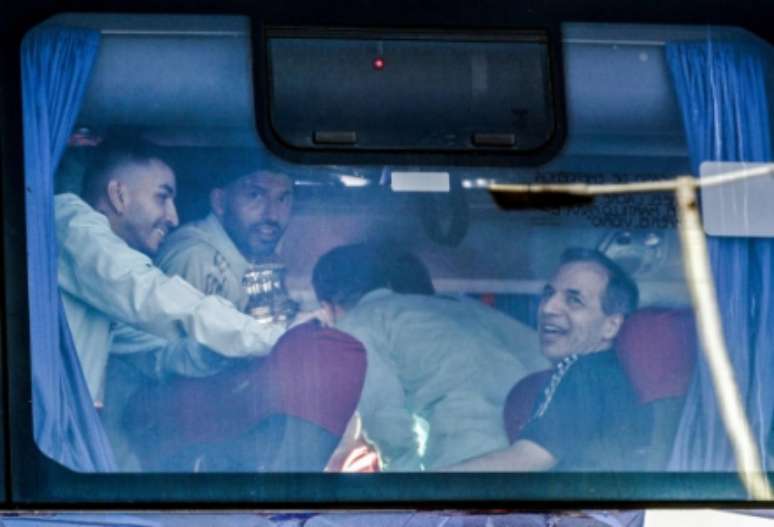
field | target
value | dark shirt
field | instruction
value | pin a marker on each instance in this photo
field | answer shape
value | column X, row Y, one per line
column 593, row 422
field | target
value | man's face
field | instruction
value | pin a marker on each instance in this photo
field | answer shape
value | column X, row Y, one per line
column 148, row 208
column 255, row 210
column 571, row 319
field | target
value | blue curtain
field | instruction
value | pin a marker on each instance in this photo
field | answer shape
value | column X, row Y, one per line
column 722, row 95
column 56, row 64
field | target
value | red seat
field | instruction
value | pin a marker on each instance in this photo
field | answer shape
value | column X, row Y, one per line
column 313, row 373
column 657, row 348
column 521, row 401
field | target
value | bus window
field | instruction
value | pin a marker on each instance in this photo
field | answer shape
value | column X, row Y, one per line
column 203, row 304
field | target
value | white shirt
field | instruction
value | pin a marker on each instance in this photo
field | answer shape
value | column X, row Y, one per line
column 104, row 280
column 202, row 254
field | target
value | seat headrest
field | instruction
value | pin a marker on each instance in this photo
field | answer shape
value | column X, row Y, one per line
column 520, row 403
column 657, row 349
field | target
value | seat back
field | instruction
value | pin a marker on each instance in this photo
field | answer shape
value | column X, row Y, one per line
column 521, row 400
column 657, row 349
column 314, row 374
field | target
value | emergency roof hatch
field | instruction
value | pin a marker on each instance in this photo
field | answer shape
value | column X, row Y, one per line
column 411, row 90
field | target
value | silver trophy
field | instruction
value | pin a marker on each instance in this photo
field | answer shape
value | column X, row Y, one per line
column 268, row 299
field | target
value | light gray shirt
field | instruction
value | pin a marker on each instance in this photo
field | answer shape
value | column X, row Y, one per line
column 439, row 370
column 103, row 281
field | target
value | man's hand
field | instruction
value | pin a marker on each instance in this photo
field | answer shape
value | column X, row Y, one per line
column 354, row 453
column 305, row 316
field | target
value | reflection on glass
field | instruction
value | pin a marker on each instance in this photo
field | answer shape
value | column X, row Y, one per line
column 268, row 296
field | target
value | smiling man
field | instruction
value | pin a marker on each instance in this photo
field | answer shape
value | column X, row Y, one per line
column 105, row 239
column 587, row 418
column 250, row 208
column 136, row 194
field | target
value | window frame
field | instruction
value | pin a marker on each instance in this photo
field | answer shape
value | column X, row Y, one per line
column 33, row 479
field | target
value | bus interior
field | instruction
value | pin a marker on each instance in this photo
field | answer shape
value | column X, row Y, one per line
column 186, row 84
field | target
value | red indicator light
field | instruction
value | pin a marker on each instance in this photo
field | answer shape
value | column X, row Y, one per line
column 378, row 63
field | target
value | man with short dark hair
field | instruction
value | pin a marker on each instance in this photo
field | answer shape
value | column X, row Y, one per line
column 250, row 208
column 135, row 190
column 587, row 418
column 106, row 276
column 439, row 367
column 249, row 212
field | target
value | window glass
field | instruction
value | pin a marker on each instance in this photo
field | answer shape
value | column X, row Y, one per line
column 226, row 310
